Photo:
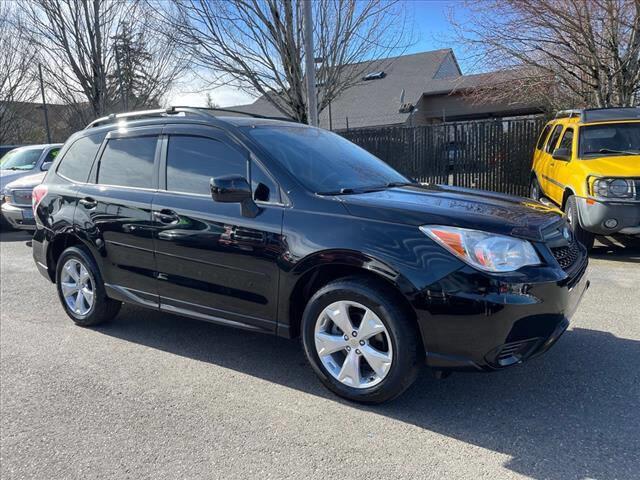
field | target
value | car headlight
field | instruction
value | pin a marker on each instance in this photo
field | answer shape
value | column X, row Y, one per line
column 613, row 188
column 483, row 250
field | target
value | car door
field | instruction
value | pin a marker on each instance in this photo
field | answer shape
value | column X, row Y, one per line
column 213, row 262
column 560, row 167
column 114, row 211
column 545, row 170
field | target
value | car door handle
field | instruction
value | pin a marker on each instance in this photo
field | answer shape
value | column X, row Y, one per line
column 88, row 203
column 166, row 216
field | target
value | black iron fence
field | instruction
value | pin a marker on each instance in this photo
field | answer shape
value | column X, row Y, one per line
column 487, row 154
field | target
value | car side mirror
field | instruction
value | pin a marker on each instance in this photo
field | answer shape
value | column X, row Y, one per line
column 562, row 154
column 46, row 166
column 234, row 189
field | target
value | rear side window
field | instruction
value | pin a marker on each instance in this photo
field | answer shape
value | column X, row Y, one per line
column 554, row 139
column 543, row 137
column 128, row 162
column 193, row 161
column 78, row 160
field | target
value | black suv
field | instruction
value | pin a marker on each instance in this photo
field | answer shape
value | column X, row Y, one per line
column 283, row 228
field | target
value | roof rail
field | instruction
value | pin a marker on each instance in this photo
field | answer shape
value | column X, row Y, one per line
column 173, row 110
column 569, row 113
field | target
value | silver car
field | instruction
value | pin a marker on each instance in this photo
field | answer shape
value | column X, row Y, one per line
column 32, row 160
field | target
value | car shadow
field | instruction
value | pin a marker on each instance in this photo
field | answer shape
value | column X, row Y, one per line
column 621, row 248
column 571, row 413
column 15, row 236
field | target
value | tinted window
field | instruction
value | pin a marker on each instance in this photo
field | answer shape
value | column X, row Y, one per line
column 323, row 161
column 567, row 140
column 262, row 185
column 78, row 160
column 128, row 162
column 543, row 137
column 192, row 161
column 554, row 138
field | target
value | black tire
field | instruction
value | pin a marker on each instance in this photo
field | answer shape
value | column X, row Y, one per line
column 571, row 210
column 103, row 307
column 408, row 354
column 534, row 190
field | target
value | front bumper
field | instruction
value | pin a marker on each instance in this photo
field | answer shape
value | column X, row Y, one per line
column 593, row 214
column 20, row 217
column 475, row 323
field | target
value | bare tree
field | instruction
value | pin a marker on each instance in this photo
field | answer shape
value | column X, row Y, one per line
column 258, row 46
column 16, row 73
column 559, row 52
column 78, row 43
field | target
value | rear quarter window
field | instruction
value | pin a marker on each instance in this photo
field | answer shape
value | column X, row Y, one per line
column 76, row 163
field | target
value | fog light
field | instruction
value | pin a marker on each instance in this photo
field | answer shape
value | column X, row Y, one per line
column 611, row 223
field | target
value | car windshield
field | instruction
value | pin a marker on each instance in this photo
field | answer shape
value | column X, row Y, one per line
column 324, row 162
column 610, row 139
column 21, row 159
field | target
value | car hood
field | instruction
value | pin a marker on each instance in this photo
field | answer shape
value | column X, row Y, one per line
column 28, row 181
column 7, row 176
column 613, row 166
column 460, row 207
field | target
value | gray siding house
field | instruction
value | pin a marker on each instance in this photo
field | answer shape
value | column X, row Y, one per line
column 416, row 89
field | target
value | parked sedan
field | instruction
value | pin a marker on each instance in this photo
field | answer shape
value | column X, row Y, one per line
column 16, row 201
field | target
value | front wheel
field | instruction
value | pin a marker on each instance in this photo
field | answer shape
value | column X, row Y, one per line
column 362, row 345
column 583, row 236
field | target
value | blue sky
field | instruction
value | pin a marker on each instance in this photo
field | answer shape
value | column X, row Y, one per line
column 431, row 32
column 431, row 26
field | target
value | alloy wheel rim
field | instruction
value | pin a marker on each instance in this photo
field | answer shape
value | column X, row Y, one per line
column 77, row 287
column 353, row 344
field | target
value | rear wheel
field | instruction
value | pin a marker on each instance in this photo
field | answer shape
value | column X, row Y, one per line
column 534, row 189
column 362, row 345
column 583, row 236
column 81, row 289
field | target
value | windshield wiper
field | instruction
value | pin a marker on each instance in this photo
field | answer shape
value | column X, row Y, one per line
column 611, row 150
column 373, row 188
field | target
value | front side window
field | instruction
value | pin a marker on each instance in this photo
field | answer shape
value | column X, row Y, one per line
column 193, row 161
column 553, row 140
column 78, row 159
column 128, row 162
column 567, row 140
column 21, row 159
column 323, row 161
column 610, row 139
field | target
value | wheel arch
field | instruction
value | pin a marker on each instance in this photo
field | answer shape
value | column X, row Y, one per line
column 59, row 244
column 568, row 191
column 324, row 267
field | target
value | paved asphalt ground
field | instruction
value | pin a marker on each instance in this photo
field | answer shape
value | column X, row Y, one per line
column 161, row 397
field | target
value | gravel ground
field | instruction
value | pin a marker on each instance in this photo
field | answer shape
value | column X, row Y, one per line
column 162, row 397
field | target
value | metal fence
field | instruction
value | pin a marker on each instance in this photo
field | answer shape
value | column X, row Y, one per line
column 486, row 154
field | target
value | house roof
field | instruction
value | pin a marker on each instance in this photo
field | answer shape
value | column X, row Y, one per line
column 377, row 102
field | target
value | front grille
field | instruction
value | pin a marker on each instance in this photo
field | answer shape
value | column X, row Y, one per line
column 21, row 197
column 567, row 255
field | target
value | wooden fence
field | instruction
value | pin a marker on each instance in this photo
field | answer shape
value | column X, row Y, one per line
column 486, row 154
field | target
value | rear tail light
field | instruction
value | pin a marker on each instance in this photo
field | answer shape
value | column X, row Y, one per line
column 39, row 193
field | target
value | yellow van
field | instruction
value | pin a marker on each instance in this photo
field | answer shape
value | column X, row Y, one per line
column 587, row 162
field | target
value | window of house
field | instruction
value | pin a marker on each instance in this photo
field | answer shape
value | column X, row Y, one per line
column 193, row 161
column 128, row 162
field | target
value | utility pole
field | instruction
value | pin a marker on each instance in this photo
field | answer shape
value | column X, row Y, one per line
column 44, row 105
column 312, row 101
